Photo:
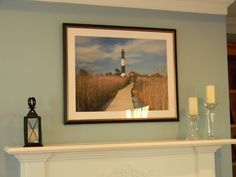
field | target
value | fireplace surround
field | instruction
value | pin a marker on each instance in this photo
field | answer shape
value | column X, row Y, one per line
column 177, row 158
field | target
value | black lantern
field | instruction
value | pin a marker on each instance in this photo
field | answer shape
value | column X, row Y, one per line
column 32, row 126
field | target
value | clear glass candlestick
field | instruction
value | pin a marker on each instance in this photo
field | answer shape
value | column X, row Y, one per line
column 210, row 120
column 193, row 133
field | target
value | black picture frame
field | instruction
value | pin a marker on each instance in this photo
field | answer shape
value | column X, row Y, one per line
column 89, row 51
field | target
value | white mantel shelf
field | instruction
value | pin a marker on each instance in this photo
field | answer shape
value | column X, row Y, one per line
column 117, row 146
column 139, row 159
column 197, row 6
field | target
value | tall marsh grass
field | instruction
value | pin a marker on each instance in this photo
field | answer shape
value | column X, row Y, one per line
column 152, row 91
column 93, row 93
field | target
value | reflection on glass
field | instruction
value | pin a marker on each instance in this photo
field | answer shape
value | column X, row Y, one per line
column 33, row 131
column 138, row 112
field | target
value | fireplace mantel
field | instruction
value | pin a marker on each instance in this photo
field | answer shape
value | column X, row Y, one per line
column 136, row 159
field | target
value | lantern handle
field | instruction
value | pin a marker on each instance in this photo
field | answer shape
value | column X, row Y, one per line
column 31, row 102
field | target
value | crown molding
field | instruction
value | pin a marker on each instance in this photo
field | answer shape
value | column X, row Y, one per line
column 196, row 6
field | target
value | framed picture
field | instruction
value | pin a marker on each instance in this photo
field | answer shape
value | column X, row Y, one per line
column 119, row 74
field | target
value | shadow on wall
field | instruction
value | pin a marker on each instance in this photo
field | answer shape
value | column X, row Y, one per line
column 231, row 37
column 12, row 163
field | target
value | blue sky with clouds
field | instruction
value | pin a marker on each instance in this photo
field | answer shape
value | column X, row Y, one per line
column 100, row 55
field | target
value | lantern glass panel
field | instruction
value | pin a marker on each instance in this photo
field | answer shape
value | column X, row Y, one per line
column 33, row 130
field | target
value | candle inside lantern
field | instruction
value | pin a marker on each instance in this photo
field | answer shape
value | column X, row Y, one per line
column 193, row 105
column 210, row 94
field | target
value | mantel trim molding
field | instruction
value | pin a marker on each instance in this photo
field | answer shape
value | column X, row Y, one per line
column 196, row 6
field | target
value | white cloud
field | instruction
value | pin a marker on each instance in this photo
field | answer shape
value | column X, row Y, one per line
column 152, row 47
column 89, row 54
column 135, row 50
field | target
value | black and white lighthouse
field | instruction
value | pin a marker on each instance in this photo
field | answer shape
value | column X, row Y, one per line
column 122, row 60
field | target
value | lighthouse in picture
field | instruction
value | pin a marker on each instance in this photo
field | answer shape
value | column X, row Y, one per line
column 122, row 70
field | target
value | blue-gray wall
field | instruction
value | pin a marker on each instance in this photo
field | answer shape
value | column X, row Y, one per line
column 31, row 64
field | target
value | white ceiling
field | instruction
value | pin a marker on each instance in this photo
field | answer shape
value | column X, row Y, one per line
column 219, row 7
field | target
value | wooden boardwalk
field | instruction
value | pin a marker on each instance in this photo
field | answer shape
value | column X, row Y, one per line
column 123, row 100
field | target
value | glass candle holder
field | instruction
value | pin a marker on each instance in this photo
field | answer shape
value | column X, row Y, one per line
column 210, row 120
column 193, row 132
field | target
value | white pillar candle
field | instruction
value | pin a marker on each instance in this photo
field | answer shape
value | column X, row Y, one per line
column 210, row 94
column 193, row 106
